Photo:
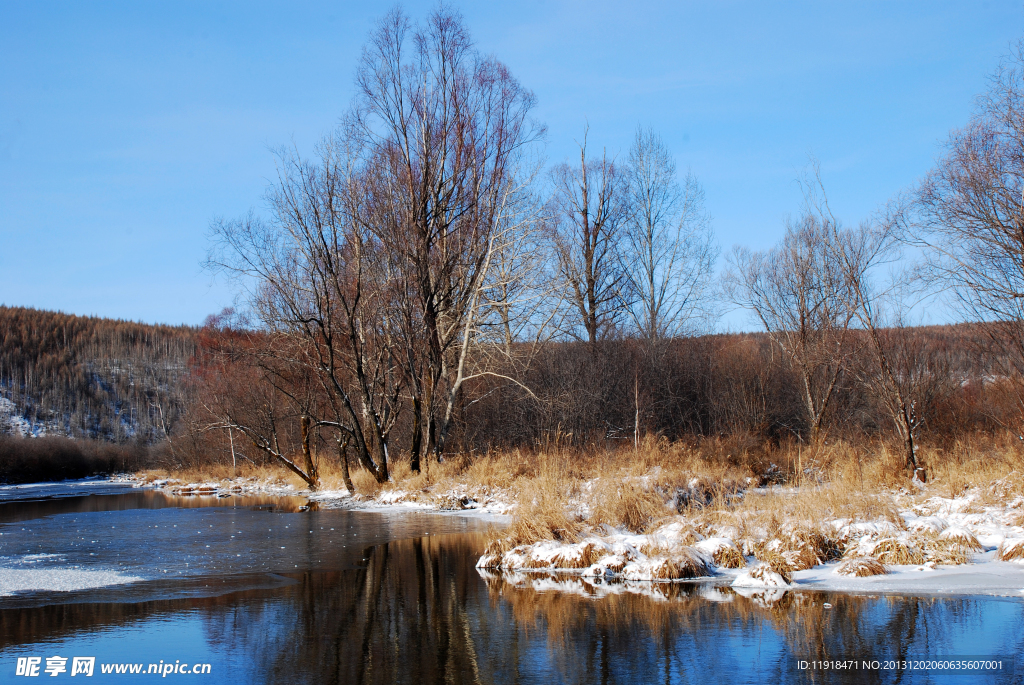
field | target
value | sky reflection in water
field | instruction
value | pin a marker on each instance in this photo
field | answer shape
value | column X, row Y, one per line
column 340, row 597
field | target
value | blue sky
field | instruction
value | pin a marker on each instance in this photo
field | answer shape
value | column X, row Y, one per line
column 125, row 128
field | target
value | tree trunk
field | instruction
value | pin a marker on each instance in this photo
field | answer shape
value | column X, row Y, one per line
column 910, row 446
column 427, row 418
column 414, row 449
column 313, row 479
column 343, row 458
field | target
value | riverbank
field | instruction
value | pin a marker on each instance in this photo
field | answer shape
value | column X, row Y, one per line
column 846, row 519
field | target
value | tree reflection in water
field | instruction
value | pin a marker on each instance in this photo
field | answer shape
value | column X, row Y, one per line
column 419, row 612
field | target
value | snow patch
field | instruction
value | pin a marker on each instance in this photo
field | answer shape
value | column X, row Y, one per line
column 14, row 580
column 760, row 575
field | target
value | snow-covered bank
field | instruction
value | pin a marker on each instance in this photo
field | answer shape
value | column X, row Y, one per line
column 986, row 576
column 462, row 501
column 925, row 543
column 970, row 544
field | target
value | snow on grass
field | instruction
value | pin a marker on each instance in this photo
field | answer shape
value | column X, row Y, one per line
column 970, row 543
column 723, row 552
column 761, row 575
column 622, row 555
column 468, row 501
column 1011, row 549
column 861, row 567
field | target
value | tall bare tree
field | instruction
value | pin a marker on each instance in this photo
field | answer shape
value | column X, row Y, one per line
column 969, row 215
column 589, row 209
column 318, row 278
column 446, row 128
column 669, row 248
column 900, row 376
column 797, row 291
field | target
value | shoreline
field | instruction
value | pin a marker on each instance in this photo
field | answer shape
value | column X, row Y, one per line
column 983, row 575
column 632, row 560
column 986, row 578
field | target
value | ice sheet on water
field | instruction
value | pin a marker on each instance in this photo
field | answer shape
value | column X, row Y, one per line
column 67, row 488
column 14, row 580
column 29, row 559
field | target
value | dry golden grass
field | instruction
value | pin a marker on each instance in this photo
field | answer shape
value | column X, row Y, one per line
column 364, row 482
column 775, row 560
column 1011, row 550
column 626, row 504
column 861, row 567
column 946, row 552
column 216, row 473
column 559, row 493
column 729, row 557
column 962, row 538
column 587, row 555
column 893, row 551
column 775, row 563
column 541, row 514
column 804, row 547
column 681, row 565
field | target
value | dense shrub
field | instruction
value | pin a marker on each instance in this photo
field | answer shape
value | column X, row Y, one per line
column 30, row 460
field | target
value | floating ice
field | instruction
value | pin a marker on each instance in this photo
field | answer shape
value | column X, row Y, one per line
column 58, row 579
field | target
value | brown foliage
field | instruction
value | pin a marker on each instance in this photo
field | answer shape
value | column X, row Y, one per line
column 29, row 460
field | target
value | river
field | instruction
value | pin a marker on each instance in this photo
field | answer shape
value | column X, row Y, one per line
column 266, row 591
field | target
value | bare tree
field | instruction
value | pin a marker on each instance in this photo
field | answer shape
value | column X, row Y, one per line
column 245, row 386
column 798, row 292
column 969, row 215
column 319, row 279
column 669, row 248
column 902, row 378
column 589, row 209
column 446, row 127
column 519, row 288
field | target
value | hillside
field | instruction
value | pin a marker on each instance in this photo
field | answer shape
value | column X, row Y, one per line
column 81, row 376
column 121, row 382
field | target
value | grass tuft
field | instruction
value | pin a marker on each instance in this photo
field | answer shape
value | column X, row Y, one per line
column 727, row 556
column 962, row 537
column 1011, row 550
column 628, row 505
column 861, row 567
column 896, row 552
column 683, row 564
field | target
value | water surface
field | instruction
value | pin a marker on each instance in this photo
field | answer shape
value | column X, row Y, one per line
column 265, row 593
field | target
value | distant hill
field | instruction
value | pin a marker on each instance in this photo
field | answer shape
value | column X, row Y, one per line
column 122, row 382
column 82, row 376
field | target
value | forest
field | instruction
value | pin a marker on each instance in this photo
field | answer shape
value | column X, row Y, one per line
column 87, row 377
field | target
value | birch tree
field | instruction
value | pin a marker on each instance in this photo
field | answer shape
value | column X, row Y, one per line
column 320, row 280
column 446, row 128
column 589, row 209
column 669, row 248
column 797, row 290
column 968, row 214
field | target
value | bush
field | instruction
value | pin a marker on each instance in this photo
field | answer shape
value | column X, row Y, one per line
column 31, row 460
